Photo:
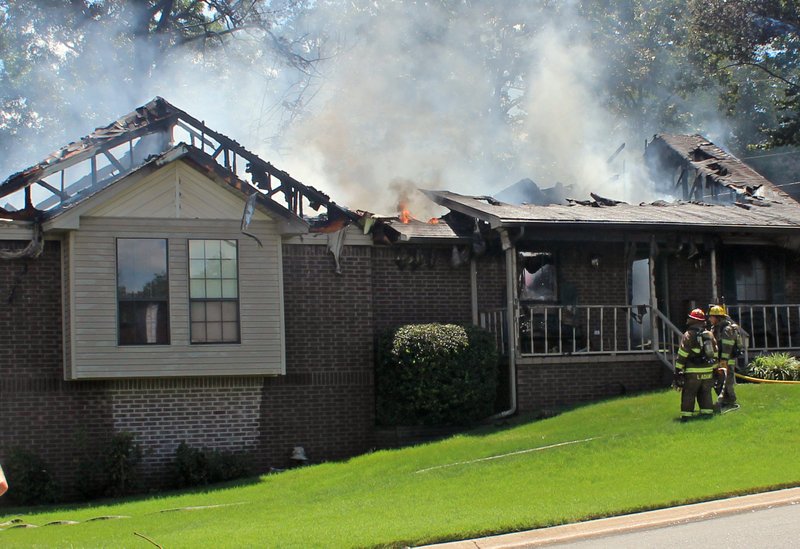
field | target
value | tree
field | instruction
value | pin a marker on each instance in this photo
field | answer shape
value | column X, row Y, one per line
column 64, row 60
column 752, row 47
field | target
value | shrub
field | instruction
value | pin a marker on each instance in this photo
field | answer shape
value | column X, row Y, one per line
column 779, row 366
column 111, row 469
column 29, row 479
column 435, row 374
column 121, row 460
column 199, row 466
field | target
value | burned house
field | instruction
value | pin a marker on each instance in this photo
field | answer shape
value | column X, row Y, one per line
column 157, row 277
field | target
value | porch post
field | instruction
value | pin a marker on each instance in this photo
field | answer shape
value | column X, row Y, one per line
column 473, row 283
column 651, row 264
column 511, row 323
column 714, row 293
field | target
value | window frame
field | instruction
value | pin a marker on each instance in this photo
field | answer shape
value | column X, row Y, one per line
column 118, row 299
column 207, row 300
column 548, row 259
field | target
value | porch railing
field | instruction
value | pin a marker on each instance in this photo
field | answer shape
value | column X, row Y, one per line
column 581, row 329
column 770, row 327
column 547, row 330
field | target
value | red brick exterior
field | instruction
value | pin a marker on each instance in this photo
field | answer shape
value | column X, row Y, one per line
column 689, row 286
column 548, row 384
column 433, row 291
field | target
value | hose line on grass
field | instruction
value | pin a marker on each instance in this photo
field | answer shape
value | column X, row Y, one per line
column 759, row 380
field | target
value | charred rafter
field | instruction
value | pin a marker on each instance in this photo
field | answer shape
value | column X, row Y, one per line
column 158, row 117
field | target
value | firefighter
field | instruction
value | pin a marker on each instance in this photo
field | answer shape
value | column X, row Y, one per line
column 694, row 368
column 728, row 336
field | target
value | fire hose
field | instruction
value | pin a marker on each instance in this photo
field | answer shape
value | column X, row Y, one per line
column 759, row 380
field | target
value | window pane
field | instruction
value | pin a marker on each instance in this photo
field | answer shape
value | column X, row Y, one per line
column 197, row 288
column 214, row 332
column 230, row 311
column 213, row 249
column 229, row 289
column 229, row 268
column 197, row 249
column 230, row 331
column 198, row 311
column 229, row 249
column 197, row 268
column 142, row 268
column 198, row 332
column 213, row 289
column 143, row 323
column 213, row 268
column 214, row 311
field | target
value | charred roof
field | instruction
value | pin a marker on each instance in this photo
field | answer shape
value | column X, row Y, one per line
column 109, row 153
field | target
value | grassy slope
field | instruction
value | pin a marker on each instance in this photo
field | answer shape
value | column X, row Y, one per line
column 641, row 458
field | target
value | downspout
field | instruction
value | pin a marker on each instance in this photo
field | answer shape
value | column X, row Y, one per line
column 511, row 334
column 473, row 284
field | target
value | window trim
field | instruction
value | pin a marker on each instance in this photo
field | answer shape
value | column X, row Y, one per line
column 118, row 300
column 236, row 300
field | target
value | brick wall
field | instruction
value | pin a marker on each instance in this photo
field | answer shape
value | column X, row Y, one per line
column 434, row 291
column 546, row 384
column 30, row 313
column 326, row 402
column 39, row 411
column 220, row 413
column 491, row 281
column 688, row 282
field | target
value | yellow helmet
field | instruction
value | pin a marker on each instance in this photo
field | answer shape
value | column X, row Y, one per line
column 717, row 310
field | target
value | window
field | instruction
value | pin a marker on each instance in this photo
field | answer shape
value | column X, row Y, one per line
column 142, row 291
column 537, row 277
column 752, row 279
column 214, row 291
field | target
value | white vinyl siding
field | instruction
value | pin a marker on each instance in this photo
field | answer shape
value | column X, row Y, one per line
column 93, row 315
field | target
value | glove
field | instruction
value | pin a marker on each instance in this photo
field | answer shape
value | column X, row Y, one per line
column 677, row 380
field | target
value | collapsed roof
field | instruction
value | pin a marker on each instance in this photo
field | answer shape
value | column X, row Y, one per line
column 719, row 191
column 702, row 171
column 146, row 136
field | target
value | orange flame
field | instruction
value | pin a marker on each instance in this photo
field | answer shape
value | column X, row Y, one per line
column 405, row 215
column 433, row 221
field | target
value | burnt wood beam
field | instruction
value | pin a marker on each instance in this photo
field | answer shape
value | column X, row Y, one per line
column 113, row 159
column 26, row 214
column 312, row 194
column 71, row 157
column 53, row 190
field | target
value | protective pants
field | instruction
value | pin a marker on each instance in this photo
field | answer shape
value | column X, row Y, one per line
column 728, row 395
column 697, row 387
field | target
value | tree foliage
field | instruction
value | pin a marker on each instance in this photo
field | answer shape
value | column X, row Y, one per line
column 752, row 47
column 64, row 59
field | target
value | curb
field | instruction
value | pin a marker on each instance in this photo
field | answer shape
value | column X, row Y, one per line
column 630, row 523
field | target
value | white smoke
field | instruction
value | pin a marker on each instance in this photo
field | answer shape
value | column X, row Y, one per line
column 409, row 94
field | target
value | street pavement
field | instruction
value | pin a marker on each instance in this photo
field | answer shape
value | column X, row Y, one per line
column 770, row 519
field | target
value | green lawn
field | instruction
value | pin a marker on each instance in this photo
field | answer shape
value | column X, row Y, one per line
column 604, row 459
